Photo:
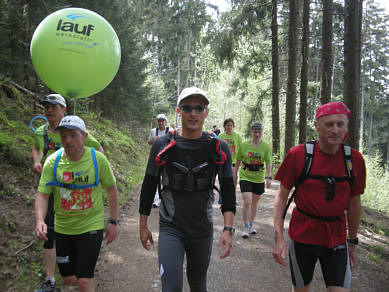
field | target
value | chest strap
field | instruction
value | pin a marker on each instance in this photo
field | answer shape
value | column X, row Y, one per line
column 319, row 218
column 56, row 183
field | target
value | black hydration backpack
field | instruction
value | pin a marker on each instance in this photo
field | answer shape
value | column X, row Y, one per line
column 308, row 161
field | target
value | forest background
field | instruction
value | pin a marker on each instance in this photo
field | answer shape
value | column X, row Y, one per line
column 267, row 60
column 255, row 62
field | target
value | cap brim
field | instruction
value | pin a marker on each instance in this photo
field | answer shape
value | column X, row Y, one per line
column 68, row 127
column 195, row 94
column 50, row 101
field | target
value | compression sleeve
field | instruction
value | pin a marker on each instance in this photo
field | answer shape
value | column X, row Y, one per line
column 227, row 190
column 147, row 194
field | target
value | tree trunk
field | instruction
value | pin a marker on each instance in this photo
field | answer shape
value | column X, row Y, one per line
column 275, row 83
column 304, row 74
column 290, row 115
column 351, row 68
column 370, row 134
column 326, row 55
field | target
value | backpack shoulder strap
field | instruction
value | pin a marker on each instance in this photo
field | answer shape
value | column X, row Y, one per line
column 45, row 141
column 308, row 161
column 348, row 159
column 167, row 130
column 54, row 181
column 156, row 131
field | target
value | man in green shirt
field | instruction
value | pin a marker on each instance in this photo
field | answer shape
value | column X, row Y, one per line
column 254, row 155
column 74, row 176
column 46, row 141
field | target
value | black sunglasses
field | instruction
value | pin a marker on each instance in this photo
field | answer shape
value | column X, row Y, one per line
column 189, row 108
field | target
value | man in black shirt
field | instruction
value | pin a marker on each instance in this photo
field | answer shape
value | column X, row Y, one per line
column 188, row 162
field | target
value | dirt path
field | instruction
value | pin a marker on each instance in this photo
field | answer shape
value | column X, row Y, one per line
column 126, row 266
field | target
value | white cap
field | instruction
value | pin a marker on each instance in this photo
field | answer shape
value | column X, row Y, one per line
column 161, row 117
column 192, row 91
column 54, row 99
column 73, row 123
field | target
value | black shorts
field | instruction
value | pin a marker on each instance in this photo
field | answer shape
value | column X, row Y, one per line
column 77, row 254
column 255, row 188
column 49, row 220
column 334, row 264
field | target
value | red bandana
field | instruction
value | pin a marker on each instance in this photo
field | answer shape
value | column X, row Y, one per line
column 333, row 108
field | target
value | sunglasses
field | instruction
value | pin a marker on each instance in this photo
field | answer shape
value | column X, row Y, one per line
column 189, row 108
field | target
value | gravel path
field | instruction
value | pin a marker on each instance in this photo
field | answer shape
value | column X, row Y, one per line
column 126, row 266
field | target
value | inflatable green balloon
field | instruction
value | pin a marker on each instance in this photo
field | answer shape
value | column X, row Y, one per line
column 75, row 52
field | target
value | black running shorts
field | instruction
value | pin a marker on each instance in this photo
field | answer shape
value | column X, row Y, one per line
column 77, row 254
column 49, row 220
column 250, row 187
column 334, row 264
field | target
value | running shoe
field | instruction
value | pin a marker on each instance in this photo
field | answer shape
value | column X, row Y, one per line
column 252, row 230
column 245, row 233
column 47, row 286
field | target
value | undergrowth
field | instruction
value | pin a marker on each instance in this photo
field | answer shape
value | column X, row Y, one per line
column 21, row 260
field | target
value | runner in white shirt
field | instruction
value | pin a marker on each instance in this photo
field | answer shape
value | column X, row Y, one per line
column 155, row 133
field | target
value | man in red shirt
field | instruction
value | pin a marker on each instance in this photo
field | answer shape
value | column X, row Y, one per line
column 328, row 206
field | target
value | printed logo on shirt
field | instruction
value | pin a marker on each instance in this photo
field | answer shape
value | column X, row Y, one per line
column 77, row 200
column 254, row 155
column 67, row 177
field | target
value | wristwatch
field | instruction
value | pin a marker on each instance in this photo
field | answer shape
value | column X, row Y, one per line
column 354, row 241
column 114, row 221
column 268, row 177
column 230, row 229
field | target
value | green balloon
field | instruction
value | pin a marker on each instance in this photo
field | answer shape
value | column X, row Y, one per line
column 75, row 52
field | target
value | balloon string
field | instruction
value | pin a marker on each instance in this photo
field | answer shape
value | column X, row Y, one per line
column 35, row 118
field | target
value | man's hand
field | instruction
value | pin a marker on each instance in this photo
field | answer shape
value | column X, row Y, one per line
column 225, row 243
column 37, row 167
column 351, row 254
column 268, row 183
column 146, row 237
column 111, row 233
column 279, row 251
column 41, row 230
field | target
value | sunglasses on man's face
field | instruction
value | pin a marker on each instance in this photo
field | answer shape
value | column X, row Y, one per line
column 189, row 108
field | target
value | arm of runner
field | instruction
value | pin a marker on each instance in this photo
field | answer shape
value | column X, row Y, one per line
column 225, row 242
column 279, row 250
column 41, row 202
column 235, row 174
column 144, row 233
column 36, row 158
column 101, row 149
column 268, row 171
column 353, row 221
column 112, row 229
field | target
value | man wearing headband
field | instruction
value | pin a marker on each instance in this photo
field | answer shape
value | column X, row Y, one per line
column 254, row 155
column 326, row 218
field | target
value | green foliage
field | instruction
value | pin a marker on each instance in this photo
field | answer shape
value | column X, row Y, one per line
column 376, row 193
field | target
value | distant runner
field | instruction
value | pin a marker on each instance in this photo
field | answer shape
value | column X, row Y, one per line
column 160, row 131
column 256, row 157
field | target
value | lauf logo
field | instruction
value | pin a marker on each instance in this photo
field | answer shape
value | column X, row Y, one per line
column 74, row 27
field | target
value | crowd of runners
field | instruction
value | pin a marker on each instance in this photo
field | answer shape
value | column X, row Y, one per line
column 327, row 176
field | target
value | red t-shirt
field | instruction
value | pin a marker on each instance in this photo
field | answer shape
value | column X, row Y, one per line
column 311, row 194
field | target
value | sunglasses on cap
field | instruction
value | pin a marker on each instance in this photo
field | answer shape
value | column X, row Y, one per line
column 189, row 108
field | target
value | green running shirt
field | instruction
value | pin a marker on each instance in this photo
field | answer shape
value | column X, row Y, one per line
column 249, row 154
column 77, row 210
column 233, row 141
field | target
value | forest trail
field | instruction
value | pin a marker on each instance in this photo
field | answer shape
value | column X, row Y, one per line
column 126, row 266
